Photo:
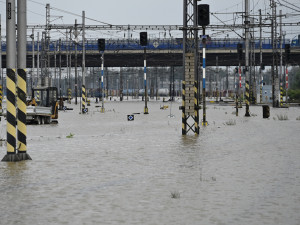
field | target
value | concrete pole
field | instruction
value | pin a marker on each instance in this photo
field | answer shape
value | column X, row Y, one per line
column 273, row 54
column 21, row 87
column 38, row 59
column 55, row 50
column 33, row 58
column 59, row 86
column 76, row 76
column 1, row 53
column 247, row 6
column 260, row 57
column 1, row 84
column 67, row 55
column 277, row 83
column 281, row 43
column 47, row 43
column 11, row 81
column 253, row 83
column 83, row 93
column 10, row 34
column 70, row 66
column 67, row 67
column 217, row 89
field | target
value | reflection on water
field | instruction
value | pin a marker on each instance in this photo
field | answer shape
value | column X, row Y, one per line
column 113, row 171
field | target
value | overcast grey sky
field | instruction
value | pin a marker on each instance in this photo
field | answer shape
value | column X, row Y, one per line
column 154, row 12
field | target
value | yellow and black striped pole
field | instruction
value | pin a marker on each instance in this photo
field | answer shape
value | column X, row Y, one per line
column 11, row 117
column 281, row 96
column 1, row 97
column 21, row 82
column 21, row 119
column 260, row 95
column 286, row 85
column 251, row 94
column 247, row 100
column 69, row 95
column 183, row 109
column 196, row 108
column 37, row 100
column 83, row 99
column 11, row 155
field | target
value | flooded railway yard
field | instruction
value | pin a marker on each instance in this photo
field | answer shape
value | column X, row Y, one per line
column 100, row 168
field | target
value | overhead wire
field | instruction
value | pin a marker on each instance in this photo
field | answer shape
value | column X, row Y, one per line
column 287, row 6
column 291, row 4
column 70, row 13
column 219, row 21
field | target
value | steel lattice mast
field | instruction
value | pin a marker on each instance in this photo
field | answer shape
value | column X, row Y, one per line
column 190, row 95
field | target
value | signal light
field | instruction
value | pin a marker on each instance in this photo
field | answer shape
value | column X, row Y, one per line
column 101, row 44
column 203, row 15
column 143, row 39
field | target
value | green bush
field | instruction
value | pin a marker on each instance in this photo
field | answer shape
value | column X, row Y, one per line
column 294, row 95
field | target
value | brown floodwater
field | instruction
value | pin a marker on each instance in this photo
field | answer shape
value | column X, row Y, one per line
column 100, row 168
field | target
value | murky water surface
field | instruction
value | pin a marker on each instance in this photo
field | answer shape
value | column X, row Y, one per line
column 113, row 171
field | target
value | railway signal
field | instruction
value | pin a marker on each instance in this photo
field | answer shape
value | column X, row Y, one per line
column 101, row 47
column 144, row 42
column 101, row 44
column 203, row 15
column 203, row 20
column 143, row 38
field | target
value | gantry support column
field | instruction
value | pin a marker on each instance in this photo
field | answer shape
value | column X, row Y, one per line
column 190, row 94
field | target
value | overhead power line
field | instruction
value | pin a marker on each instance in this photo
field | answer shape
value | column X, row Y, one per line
column 70, row 13
column 287, row 6
column 291, row 4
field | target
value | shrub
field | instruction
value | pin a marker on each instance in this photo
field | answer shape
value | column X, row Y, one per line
column 282, row 117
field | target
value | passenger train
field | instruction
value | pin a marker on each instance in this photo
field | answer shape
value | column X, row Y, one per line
column 156, row 44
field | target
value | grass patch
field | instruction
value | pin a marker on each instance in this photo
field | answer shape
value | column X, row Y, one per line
column 282, row 117
column 230, row 122
column 175, row 194
column 298, row 118
column 70, row 135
